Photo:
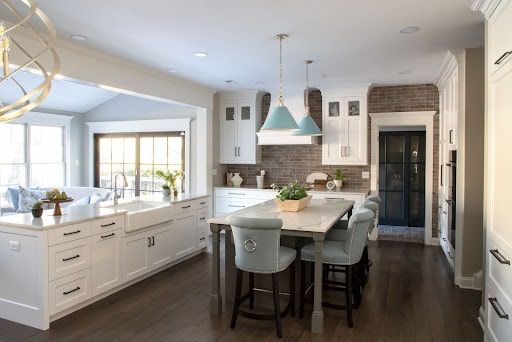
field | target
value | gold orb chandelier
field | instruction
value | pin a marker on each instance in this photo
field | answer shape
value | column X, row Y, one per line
column 25, row 16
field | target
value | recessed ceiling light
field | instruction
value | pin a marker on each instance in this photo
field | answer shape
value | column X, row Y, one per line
column 410, row 29
column 405, row 72
column 78, row 37
column 172, row 70
column 200, row 54
column 229, row 81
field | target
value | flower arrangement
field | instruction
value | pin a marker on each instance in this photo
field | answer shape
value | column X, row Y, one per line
column 170, row 178
column 292, row 197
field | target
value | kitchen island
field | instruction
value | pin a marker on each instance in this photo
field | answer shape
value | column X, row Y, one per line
column 314, row 222
column 54, row 265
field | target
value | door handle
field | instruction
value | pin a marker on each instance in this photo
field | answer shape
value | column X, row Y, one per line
column 149, row 242
column 502, row 57
column 235, row 151
column 497, row 307
column 152, row 241
column 501, row 259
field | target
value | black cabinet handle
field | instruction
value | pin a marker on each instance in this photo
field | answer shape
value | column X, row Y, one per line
column 71, row 233
column 71, row 291
column 109, row 235
column 202, row 218
column 186, row 207
column 152, row 241
column 497, row 307
column 108, row 224
column 501, row 259
column 505, row 54
column 149, row 242
column 201, row 239
column 71, row 258
column 202, row 203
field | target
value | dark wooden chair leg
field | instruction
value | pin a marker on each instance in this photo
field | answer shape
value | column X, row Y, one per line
column 292, row 288
column 251, row 291
column 302, row 288
column 357, row 270
column 277, row 309
column 348, row 294
column 238, row 296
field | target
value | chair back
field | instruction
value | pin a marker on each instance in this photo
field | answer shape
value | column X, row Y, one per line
column 357, row 233
column 374, row 198
column 372, row 202
column 257, row 242
column 373, row 206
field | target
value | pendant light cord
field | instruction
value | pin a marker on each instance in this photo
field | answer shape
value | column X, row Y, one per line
column 281, row 93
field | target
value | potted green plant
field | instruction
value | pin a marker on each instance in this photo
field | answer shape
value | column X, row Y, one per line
column 338, row 178
column 170, row 178
column 37, row 209
column 292, row 197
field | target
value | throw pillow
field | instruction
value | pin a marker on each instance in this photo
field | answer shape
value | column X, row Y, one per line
column 81, row 201
column 95, row 198
column 27, row 198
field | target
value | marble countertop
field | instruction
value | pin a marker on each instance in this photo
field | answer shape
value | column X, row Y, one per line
column 86, row 212
column 342, row 190
column 319, row 216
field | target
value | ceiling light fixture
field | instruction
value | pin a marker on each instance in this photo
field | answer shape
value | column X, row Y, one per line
column 78, row 37
column 410, row 29
column 280, row 118
column 32, row 19
column 307, row 126
column 200, row 54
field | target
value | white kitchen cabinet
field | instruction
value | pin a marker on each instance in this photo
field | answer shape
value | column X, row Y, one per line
column 240, row 118
column 135, row 255
column 106, row 261
column 345, row 127
column 159, row 252
column 184, row 235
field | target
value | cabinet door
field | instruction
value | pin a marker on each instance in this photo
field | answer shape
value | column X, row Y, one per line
column 184, row 236
column 356, row 131
column 228, row 130
column 135, row 255
column 106, row 261
column 246, row 134
column 499, row 160
column 333, row 132
column 160, row 250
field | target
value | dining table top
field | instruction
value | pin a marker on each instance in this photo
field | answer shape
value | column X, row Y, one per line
column 318, row 217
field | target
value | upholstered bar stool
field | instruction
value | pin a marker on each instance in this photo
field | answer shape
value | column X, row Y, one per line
column 258, row 251
column 345, row 254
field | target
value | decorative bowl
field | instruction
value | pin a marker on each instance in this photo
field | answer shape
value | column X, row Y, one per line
column 293, row 205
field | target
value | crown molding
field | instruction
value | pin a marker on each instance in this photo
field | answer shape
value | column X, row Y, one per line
column 448, row 65
column 485, row 6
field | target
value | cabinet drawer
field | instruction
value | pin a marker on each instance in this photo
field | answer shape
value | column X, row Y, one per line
column 107, row 224
column 228, row 205
column 500, row 328
column 202, row 203
column 500, row 39
column 69, row 233
column 235, row 193
column 202, row 218
column 202, row 238
column 184, row 207
column 499, row 268
column 69, row 257
column 69, row 291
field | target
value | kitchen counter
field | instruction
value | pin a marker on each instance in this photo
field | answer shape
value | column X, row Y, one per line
column 85, row 212
column 342, row 190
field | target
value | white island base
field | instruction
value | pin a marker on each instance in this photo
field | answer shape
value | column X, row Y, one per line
column 53, row 266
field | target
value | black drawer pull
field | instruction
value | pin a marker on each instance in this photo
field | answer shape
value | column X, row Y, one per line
column 71, row 233
column 71, row 258
column 505, row 54
column 109, row 235
column 202, row 203
column 497, row 307
column 501, row 259
column 108, row 224
column 71, row 291
column 152, row 241
column 149, row 242
column 202, row 218
column 236, row 194
column 186, row 207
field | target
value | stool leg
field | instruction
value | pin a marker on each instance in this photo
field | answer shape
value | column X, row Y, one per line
column 238, row 295
column 357, row 271
column 277, row 309
column 302, row 288
column 251, row 290
column 348, row 294
column 292, row 288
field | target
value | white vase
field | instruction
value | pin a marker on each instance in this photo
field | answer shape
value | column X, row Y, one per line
column 236, row 180
column 166, row 192
column 339, row 183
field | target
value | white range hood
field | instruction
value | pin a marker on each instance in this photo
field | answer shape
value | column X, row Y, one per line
column 294, row 100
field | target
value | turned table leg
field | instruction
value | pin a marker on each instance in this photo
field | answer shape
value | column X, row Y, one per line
column 215, row 297
column 317, row 318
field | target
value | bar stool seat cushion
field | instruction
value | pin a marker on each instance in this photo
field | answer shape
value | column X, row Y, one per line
column 286, row 257
column 333, row 254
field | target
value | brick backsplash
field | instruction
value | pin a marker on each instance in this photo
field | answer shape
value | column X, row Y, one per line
column 286, row 163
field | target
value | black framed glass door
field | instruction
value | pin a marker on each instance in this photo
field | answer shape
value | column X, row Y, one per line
column 402, row 178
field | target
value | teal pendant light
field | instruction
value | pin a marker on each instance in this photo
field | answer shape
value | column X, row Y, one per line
column 307, row 125
column 280, row 118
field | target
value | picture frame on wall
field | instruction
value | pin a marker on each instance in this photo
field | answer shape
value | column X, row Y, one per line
column 353, row 108
column 334, row 109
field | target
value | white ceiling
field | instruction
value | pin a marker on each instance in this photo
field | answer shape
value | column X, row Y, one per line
column 351, row 41
column 64, row 96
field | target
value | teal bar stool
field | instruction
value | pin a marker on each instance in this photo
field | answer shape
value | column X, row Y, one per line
column 258, row 251
column 344, row 254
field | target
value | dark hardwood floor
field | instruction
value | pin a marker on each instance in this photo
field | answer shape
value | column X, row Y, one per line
column 409, row 297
